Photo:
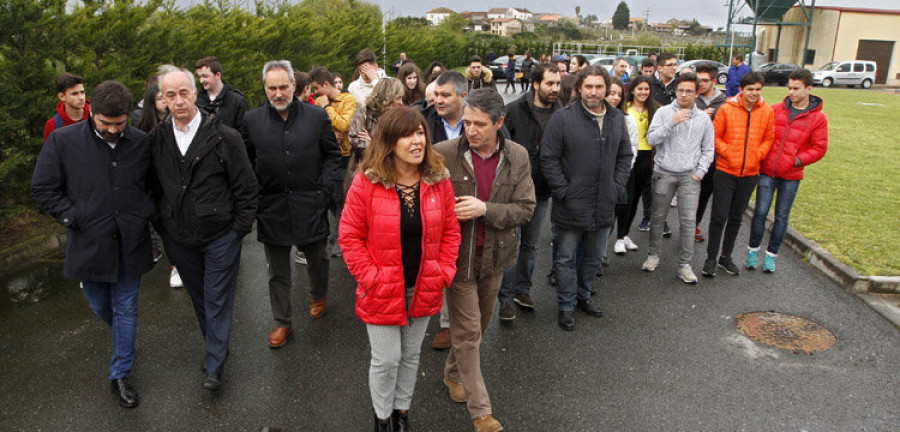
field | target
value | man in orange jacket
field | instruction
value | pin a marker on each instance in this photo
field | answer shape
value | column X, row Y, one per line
column 745, row 131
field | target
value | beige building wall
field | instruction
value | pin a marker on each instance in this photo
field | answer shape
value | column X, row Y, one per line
column 835, row 36
column 881, row 27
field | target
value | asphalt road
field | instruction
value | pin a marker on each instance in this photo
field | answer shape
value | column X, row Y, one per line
column 666, row 356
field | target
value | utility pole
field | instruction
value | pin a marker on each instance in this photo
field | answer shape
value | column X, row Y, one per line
column 646, row 18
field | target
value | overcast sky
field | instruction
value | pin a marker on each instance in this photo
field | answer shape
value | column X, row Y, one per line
column 712, row 13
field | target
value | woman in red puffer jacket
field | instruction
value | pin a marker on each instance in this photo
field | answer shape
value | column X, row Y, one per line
column 400, row 239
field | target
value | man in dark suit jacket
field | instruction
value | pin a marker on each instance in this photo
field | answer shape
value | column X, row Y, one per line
column 297, row 160
column 206, row 194
column 92, row 177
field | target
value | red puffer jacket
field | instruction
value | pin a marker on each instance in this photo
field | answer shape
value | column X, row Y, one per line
column 805, row 137
column 369, row 236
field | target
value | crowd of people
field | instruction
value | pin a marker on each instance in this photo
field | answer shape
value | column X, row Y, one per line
column 439, row 191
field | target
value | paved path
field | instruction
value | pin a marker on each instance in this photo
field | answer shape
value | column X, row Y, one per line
column 665, row 357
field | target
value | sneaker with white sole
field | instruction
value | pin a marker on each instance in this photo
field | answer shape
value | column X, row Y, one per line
column 651, row 263
column 728, row 265
column 300, row 258
column 751, row 260
column 687, row 274
column 709, row 268
column 644, row 225
column 667, row 232
column 629, row 244
column 769, row 264
column 619, row 247
column 175, row 279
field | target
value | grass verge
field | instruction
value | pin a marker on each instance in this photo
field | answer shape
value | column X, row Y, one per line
column 849, row 201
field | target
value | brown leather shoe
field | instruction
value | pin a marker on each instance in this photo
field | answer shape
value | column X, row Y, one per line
column 279, row 337
column 317, row 308
column 457, row 391
column 441, row 340
column 487, row 423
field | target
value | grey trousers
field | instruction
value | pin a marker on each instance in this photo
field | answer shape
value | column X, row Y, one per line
column 279, row 259
column 664, row 187
column 394, row 365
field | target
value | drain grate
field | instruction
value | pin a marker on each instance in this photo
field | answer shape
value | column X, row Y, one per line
column 785, row 331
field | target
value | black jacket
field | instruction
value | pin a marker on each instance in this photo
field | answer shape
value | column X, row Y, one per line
column 296, row 162
column 525, row 130
column 527, row 66
column 229, row 107
column 585, row 169
column 100, row 195
column 207, row 192
column 436, row 126
column 661, row 93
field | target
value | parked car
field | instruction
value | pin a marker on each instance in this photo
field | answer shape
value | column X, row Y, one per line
column 498, row 66
column 847, row 72
column 723, row 69
column 777, row 72
column 608, row 61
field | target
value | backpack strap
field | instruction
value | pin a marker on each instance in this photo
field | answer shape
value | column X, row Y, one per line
column 58, row 121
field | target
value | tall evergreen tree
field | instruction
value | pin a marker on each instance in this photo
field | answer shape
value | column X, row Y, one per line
column 621, row 17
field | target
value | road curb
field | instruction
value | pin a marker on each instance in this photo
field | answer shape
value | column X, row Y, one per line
column 31, row 249
column 845, row 276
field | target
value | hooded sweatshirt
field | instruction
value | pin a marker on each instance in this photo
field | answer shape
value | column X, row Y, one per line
column 685, row 148
column 50, row 126
column 743, row 136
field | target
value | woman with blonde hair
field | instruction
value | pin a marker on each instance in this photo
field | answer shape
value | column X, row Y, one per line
column 387, row 94
column 400, row 239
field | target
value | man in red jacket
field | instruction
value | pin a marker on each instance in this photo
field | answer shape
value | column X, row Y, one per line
column 801, row 138
column 72, row 106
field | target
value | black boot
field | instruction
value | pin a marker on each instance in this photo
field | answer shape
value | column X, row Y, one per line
column 400, row 419
column 385, row 425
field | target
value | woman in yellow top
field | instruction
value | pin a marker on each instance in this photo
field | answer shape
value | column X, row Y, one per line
column 641, row 107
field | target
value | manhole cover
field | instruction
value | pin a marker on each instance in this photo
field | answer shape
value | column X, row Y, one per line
column 785, row 331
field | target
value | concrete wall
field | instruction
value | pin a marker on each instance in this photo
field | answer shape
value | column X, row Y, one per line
column 835, row 36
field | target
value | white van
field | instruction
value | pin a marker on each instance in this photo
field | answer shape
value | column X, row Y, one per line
column 848, row 72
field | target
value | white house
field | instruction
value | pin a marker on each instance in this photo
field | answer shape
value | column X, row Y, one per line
column 436, row 16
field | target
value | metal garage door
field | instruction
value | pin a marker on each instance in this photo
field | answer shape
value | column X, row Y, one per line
column 880, row 53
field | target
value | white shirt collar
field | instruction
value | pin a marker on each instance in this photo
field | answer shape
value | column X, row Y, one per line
column 184, row 139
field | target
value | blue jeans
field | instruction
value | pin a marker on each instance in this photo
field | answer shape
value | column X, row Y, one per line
column 765, row 191
column 210, row 277
column 116, row 304
column 517, row 278
column 575, row 281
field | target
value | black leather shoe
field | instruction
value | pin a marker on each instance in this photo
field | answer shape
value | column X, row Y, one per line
column 566, row 320
column 128, row 398
column 213, row 382
column 589, row 307
column 400, row 420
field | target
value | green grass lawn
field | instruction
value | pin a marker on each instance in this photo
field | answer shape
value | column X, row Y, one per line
column 849, row 202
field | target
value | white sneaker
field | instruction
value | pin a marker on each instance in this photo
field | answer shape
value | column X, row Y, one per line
column 619, row 247
column 651, row 263
column 629, row 244
column 300, row 258
column 175, row 279
column 686, row 274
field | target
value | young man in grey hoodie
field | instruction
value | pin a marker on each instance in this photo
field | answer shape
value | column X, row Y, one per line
column 684, row 139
